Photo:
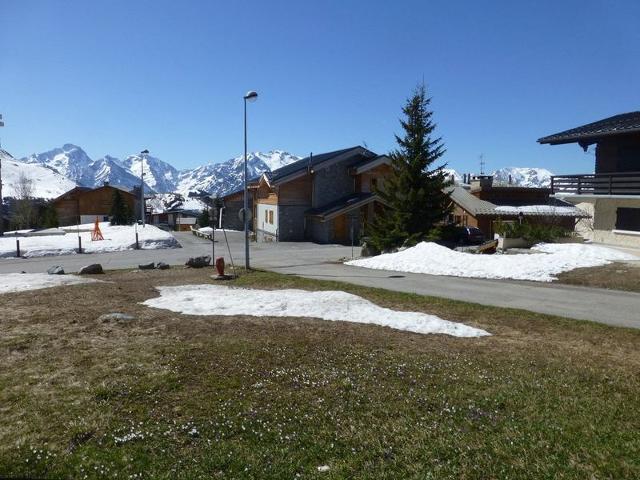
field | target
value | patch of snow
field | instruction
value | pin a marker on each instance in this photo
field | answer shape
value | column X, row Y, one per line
column 538, row 209
column 550, row 260
column 116, row 238
column 46, row 182
column 325, row 305
column 21, row 282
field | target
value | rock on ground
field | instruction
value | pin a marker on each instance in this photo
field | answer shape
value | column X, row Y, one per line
column 93, row 269
column 115, row 316
column 198, row 262
column 163, row 266
column 147, row 266
column 57, row 270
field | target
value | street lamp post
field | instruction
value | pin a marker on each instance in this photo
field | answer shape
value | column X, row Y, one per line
column 1, row 202
column 251, row 96
column 142, row 155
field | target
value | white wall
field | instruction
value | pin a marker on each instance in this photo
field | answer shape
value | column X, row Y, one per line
column 92, row 218
column 263, row 215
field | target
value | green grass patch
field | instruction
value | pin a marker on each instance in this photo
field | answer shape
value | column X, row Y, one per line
column 176, row 396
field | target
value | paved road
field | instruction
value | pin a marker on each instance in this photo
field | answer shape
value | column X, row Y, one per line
column 321, row 262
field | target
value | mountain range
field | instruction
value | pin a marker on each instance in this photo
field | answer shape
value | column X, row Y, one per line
column 59, row 169
column 73, row 163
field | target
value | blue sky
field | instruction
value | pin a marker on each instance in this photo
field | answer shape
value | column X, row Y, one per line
column 118, row 76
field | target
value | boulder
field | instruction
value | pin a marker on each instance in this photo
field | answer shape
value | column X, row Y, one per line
column 57, row 270
column 163, row 266
column 147, row 266
column 115, row 317
column 199, row 262
column 93, row 269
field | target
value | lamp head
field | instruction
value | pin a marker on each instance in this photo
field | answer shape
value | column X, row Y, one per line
column 251, row 96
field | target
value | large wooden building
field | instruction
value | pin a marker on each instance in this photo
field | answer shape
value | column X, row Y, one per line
column 325, row 198
column 612, row 192
column 84, row 205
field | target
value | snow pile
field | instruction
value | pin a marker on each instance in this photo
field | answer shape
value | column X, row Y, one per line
column 540, row 210
column 329, row 305
column 116, row 238
column 21, row 282
column 542, row 266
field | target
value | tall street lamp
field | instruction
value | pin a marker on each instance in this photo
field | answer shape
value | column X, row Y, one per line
column 1, row 204
column 251, row 96
column 143, row 154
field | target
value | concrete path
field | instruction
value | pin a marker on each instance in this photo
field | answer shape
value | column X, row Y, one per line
column 323, row 262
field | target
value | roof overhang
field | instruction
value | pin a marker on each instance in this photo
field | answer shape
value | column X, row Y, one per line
column 345, row 208
column 371, row 164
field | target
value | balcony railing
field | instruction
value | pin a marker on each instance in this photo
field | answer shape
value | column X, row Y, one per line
column 624, row 183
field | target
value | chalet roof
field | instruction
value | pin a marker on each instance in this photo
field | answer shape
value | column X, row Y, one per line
column 342, row 205
column 477, row 207
column 592, row 132
column 295, row 169
column 80, row 189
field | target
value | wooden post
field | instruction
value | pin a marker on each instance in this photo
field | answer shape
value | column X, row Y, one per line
column 18, row 248
column 137, row 243
column 79, row 244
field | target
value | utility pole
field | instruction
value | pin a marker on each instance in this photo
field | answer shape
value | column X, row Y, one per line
column 1, row 201
column 142, row 212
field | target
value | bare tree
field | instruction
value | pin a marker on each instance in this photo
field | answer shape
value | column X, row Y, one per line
column 25, row 213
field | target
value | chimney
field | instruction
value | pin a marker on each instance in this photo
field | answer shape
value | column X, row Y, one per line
column 510, row 179
column 481, row 182
column 106, row 183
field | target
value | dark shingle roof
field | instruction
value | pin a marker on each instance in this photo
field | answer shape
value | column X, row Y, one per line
column 589, row 133
column 342, row 205
column 312, row 161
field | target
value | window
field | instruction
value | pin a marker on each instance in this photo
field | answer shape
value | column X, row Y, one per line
column 271, row 217
column 628, row 219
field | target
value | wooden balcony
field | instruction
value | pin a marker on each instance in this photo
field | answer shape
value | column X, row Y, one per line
column 623, row 183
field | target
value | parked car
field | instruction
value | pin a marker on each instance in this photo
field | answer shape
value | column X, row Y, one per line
column 469, row 236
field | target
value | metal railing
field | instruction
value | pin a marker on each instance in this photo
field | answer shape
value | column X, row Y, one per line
column 623, row 183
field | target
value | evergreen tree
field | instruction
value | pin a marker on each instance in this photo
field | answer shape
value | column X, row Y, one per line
column 413, row 195
column 120, row 211
column 203, row 219
column 50, row 217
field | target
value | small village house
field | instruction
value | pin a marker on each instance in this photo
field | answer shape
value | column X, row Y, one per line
column 84, row 205
column 481, row 203
column 612, row 192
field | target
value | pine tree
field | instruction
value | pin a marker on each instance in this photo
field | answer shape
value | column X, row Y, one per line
column 50, row 216
column 414, row 194
column 120, row 211
column 203, row 219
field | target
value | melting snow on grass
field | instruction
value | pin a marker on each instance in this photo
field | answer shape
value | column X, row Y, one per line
column 116, row 238
column 547, row 261
column 325, row 305
column 20, row 282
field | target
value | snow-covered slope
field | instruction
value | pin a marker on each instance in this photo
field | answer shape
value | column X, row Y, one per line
column 163, row 202
column 158, row 175
column 69, row 160
column 46, row 183
column 450, row 172
column 221, row 178
column 524, row 176
column 109, row 169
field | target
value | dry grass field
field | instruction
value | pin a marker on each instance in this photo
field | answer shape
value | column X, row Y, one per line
column 172, row 396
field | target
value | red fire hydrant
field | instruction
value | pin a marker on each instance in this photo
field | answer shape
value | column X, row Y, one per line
column 220, row 266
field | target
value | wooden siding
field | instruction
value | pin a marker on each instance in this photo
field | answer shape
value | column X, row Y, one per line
column 618, row 154
column 296, row 192
column 97, row 202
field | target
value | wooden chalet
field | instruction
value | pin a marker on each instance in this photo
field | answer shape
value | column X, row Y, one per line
column 611, row 193
column 84, row 205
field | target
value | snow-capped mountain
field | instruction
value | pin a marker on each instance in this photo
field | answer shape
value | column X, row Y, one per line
column 523, row 176
column 163, row 202
column 158, row 175
column 451, row 173
column 221, row 178
column 69, row 160
column 45, row 182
